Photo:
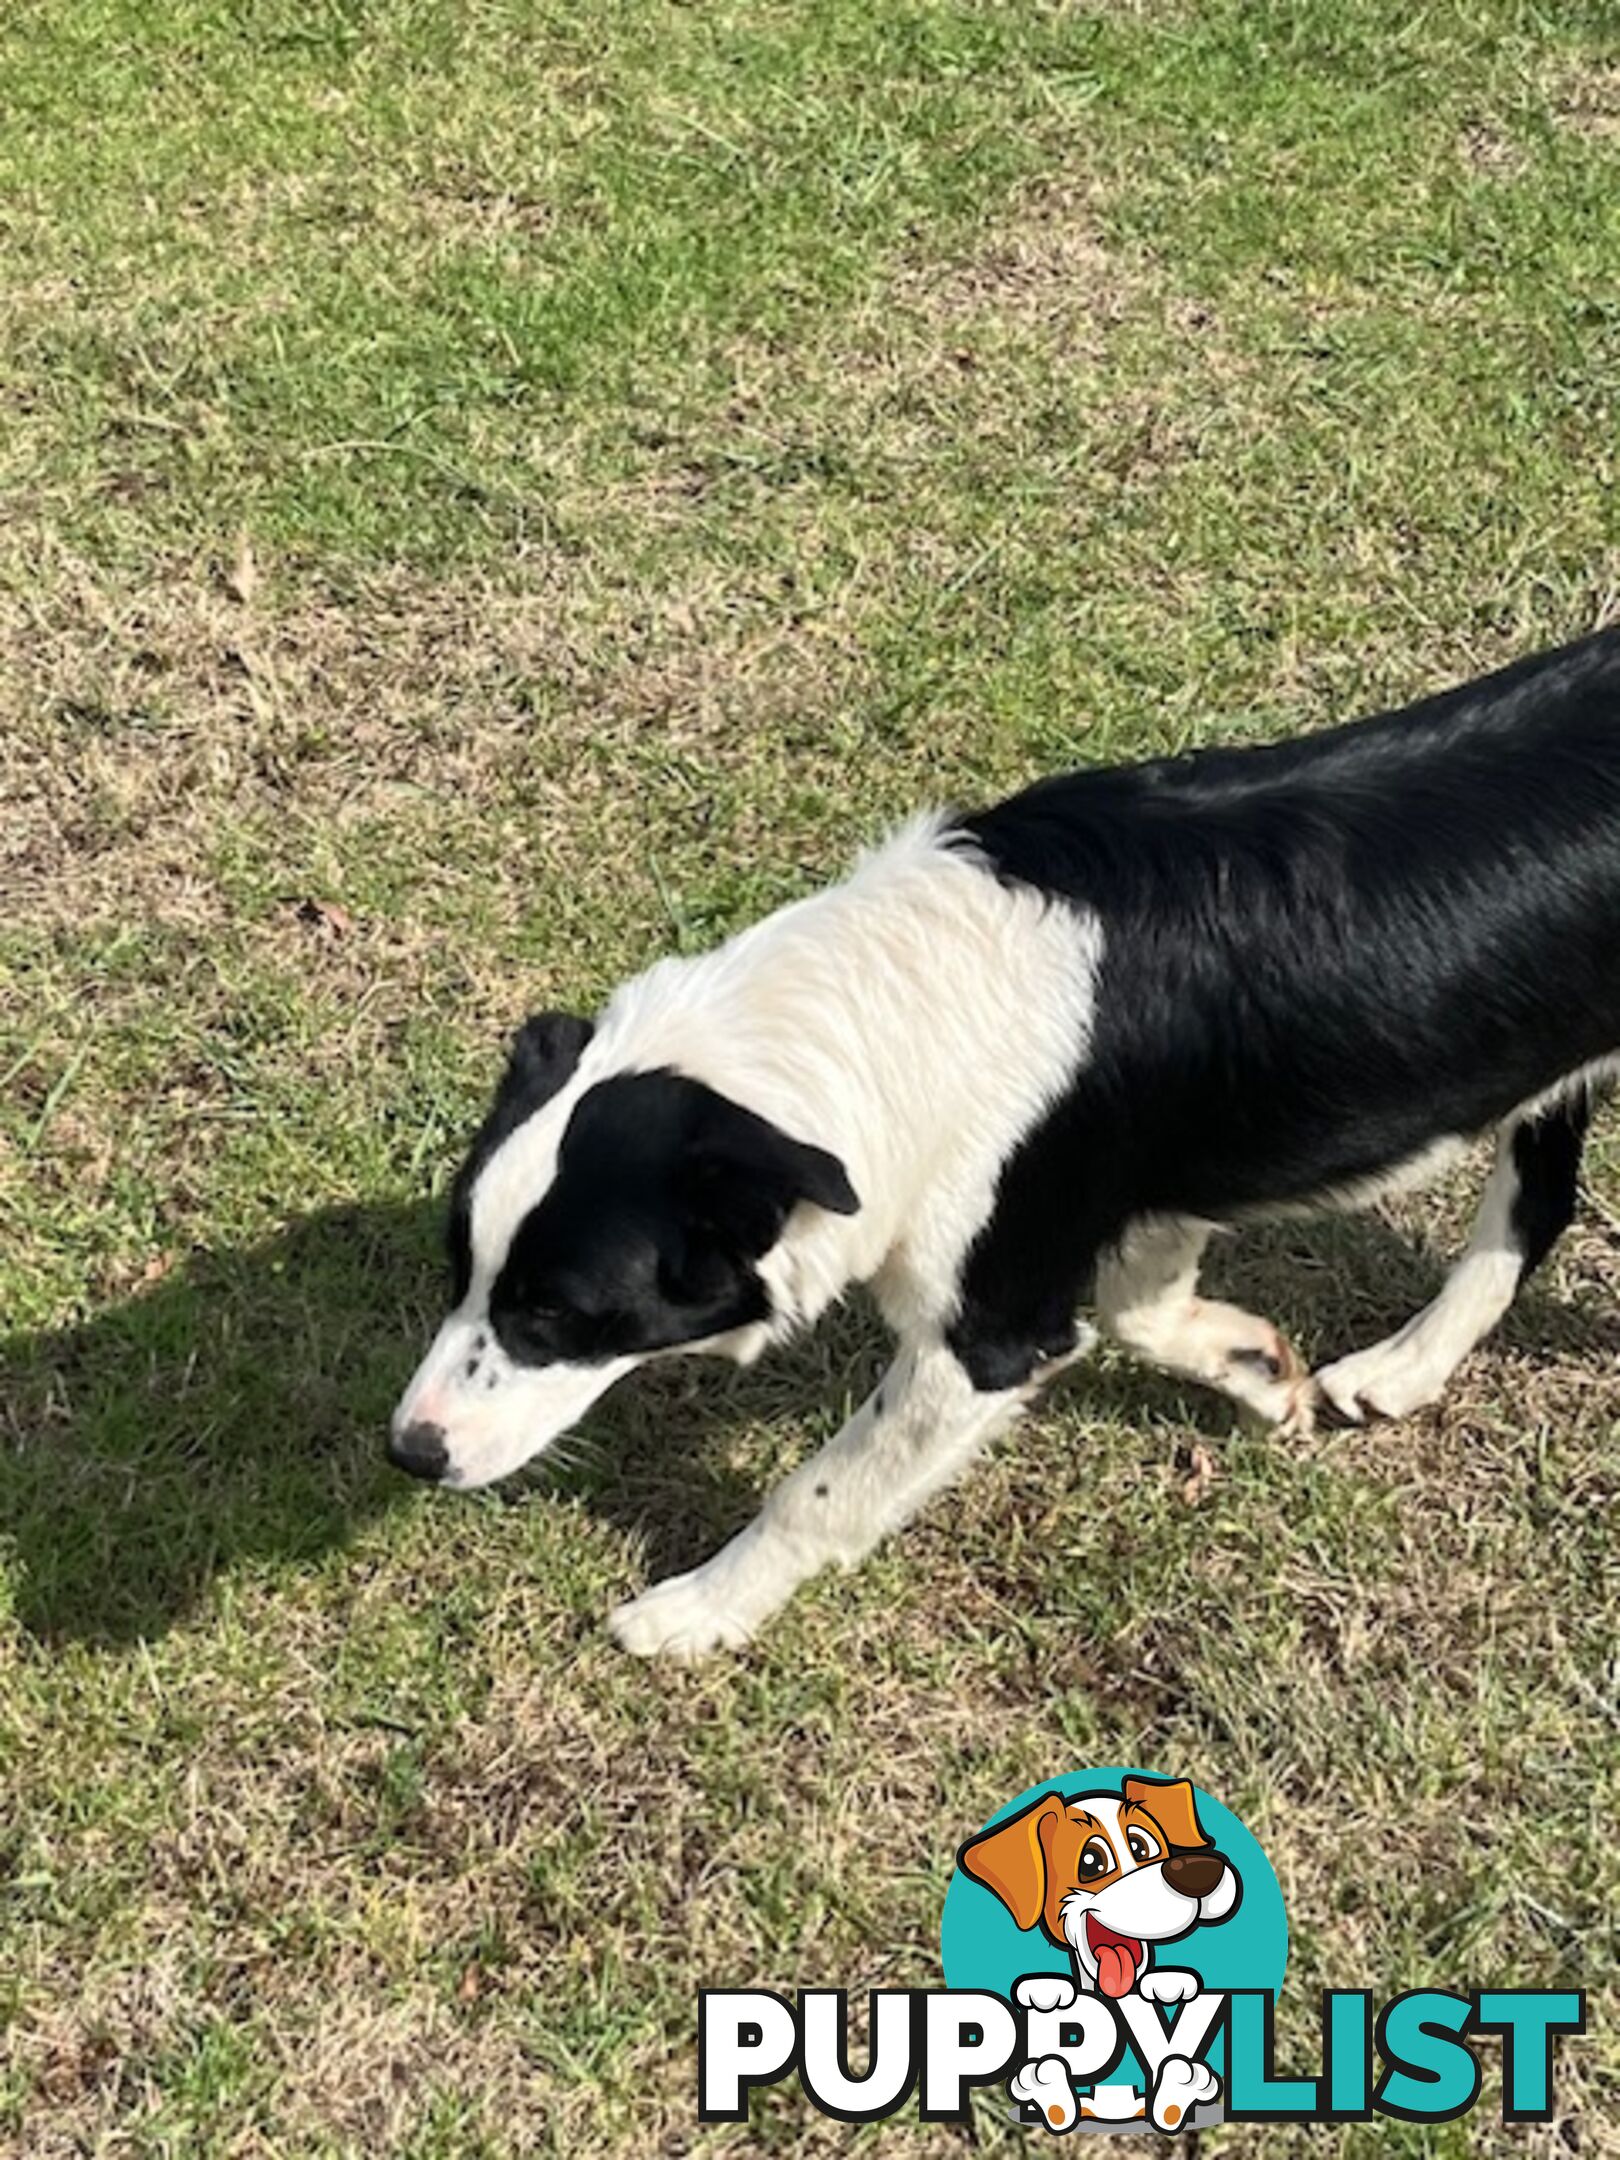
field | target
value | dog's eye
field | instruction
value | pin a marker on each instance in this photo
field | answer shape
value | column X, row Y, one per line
column 1142, row 1847
column 1097, row 1859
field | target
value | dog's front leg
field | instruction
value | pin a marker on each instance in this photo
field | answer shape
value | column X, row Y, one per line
column 917, row 1430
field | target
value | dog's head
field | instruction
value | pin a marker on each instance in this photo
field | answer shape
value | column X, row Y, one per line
column 601, row 1217
column 1107, row 1875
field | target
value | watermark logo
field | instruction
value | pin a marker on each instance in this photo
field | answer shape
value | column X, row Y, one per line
column 1118, row 1912
column 1114, row 1942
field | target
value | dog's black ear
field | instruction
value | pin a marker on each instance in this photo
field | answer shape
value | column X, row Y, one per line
column 541, row 1059
column 543, row 1054
column 741, row 1177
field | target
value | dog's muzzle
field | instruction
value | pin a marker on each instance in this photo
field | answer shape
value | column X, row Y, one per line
column 420, row 1451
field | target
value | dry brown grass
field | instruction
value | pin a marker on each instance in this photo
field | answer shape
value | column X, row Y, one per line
column 1587, row 101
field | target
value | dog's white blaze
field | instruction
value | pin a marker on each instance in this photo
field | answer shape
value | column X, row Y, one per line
column 916, row 1020
column 516, row 1176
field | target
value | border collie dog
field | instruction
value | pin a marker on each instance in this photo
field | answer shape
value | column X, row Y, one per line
column 1024, row 1063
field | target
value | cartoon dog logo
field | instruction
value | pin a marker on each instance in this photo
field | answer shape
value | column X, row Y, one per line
column 1109, row 1877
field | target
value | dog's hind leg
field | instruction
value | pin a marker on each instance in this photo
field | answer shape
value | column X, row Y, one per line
column 1528, row 1203
column 916, row 1432
column 1147, row 1298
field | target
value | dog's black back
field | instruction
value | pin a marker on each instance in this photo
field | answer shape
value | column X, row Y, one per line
column 1319, row 957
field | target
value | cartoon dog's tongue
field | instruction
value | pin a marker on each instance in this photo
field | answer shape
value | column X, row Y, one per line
column 1118, row 1957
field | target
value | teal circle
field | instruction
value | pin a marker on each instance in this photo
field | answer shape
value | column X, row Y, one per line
column 981, row 1946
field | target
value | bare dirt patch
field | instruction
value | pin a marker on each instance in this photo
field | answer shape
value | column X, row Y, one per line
column 1490, row 151
column 1587, row 102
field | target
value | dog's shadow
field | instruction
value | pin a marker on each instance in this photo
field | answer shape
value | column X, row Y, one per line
column 225, row 1413
column 234, row 1411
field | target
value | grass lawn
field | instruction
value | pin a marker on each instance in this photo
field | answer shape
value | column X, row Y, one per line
column 495, row 490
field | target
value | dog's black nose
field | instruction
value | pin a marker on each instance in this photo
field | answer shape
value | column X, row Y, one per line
column 1194, row 1874
column 420, row 1452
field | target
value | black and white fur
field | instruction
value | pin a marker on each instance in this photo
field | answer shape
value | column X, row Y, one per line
column 1029, row 1060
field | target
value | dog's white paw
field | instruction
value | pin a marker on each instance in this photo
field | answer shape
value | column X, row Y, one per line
column 1180, row 2087
column 1045, row 2085
column 685, row 1617
column 1390, row 1380
column 1260, row 1369
column 1045, row 1991
column 1298, row 1418
column 1168, row 1986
